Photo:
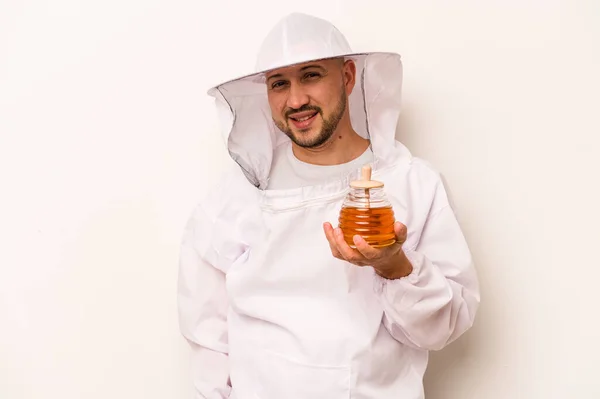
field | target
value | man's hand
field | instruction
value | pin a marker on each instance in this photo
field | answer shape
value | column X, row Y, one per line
column 389, row 262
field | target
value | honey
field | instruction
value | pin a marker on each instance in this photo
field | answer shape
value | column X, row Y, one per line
column 367, row 212
column 375, row 225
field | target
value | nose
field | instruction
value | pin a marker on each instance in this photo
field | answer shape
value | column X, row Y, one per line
column 297, row 96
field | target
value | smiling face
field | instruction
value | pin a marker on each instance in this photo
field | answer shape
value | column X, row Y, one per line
column 309, row 101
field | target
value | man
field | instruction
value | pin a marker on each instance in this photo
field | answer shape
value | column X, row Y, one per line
column 274, row 303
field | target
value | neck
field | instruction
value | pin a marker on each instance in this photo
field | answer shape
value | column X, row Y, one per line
column 343, row 146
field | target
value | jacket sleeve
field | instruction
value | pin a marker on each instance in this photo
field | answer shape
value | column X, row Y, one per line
column 202, row 306
column 437, row 302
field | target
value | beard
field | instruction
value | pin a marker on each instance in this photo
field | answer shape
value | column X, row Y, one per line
column 327, row 129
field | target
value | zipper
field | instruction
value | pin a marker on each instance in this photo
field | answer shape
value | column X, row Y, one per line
column 306, row 203
column 320, row 200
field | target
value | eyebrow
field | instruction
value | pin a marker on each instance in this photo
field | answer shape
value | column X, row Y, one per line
column 278, row 75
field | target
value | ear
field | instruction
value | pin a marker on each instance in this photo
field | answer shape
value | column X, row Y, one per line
column 349, row 75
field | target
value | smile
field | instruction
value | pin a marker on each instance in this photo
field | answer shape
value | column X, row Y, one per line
column 303, row 121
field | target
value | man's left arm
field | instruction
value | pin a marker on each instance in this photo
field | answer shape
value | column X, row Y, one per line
column 429, row 293
column 437, row 301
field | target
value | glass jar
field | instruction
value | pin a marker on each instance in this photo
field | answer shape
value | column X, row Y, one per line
column 367, row 212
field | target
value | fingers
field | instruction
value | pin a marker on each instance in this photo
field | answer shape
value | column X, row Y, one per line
column 341, row 250
column 367, row 251
column 341, row 244
column 401, row 232
column 351, row 255
column 364, row 254
column 331, row 239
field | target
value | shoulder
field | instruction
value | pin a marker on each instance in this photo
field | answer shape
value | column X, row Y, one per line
column 419, row 173
column 220, row 219
column 224, row 197
column 418, row 181
column 424, row 170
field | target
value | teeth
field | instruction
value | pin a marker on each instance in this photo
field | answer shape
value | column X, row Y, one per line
column 303, row 119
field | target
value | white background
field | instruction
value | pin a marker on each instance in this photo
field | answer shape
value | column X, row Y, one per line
column 107, row 140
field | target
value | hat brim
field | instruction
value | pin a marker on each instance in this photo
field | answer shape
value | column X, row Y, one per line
column 260, row 74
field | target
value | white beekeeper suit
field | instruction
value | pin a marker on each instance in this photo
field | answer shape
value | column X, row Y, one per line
column 268, row 311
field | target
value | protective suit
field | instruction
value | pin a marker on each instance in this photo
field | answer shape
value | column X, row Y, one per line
column 268, row 311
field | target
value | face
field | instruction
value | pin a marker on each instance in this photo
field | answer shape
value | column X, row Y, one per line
column 308, row 101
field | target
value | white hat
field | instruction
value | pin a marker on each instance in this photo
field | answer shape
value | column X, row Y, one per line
column 248, row 128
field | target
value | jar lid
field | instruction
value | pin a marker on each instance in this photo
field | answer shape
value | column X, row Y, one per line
column 365, row 181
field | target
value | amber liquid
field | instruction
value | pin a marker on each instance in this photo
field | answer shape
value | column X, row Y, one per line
column 375, row 225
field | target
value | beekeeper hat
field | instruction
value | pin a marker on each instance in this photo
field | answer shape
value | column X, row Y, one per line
column 242, row 103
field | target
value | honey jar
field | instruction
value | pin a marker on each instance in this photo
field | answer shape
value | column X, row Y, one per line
column 367, row 212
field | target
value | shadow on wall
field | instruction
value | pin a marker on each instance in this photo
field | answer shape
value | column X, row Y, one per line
column 451, row 367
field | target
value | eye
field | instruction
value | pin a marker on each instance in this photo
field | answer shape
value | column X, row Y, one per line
column 312, row 75
column 278, row 84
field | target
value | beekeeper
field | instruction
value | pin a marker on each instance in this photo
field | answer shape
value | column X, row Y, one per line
column 273, row 302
